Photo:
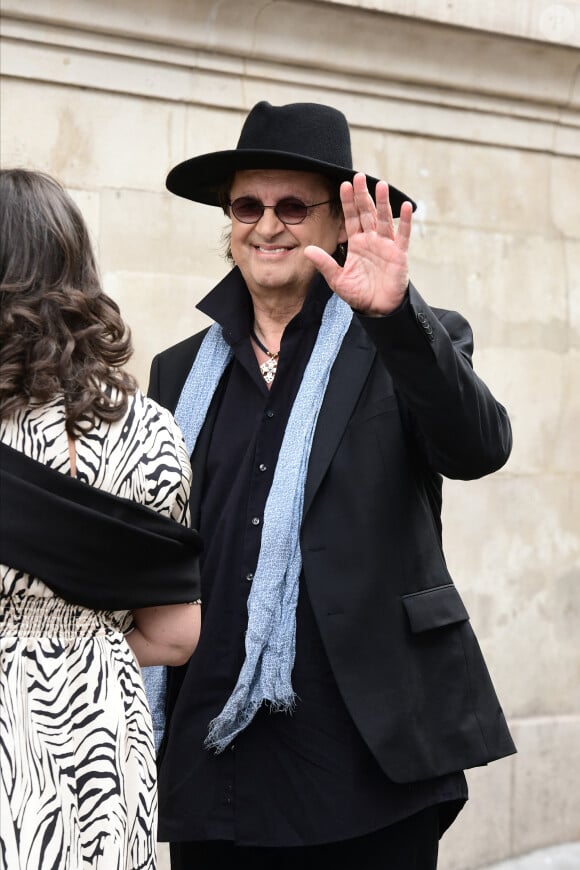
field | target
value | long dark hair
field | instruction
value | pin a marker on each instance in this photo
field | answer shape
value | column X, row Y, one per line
column 59, row 331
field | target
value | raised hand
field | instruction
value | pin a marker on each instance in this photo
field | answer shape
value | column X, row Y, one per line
column 375, row 277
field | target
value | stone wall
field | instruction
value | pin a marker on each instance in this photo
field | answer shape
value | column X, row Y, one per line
column 473, row 109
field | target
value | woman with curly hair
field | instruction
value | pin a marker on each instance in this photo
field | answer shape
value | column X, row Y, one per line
column 99, row 567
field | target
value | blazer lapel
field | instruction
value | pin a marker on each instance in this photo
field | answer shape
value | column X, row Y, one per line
column 346, row 381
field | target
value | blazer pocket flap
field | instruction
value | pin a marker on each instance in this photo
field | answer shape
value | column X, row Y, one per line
column 434, row 608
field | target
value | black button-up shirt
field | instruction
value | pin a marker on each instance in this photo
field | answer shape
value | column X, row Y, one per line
column 288, row 779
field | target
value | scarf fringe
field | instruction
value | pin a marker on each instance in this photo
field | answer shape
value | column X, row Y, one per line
column 224, row 729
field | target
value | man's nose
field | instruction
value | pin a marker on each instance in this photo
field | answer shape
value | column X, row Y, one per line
column 270, row 222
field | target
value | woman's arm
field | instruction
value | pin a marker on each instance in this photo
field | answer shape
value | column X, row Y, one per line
column 165, row 635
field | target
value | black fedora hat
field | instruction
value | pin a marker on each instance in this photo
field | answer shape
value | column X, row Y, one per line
column 309, row 137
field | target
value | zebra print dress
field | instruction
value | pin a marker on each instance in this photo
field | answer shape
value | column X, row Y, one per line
column 77, row 767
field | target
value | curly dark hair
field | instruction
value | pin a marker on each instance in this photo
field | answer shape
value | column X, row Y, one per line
column 59, row 331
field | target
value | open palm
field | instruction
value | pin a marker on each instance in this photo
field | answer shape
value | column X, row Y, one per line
column 375, row 276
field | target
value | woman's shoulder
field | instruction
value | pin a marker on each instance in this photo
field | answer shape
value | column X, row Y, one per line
column 151, row 412
column 157, row 424
column 145, row 450
column 38, row 430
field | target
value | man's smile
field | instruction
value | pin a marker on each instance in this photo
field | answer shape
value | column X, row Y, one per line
column 263, row 249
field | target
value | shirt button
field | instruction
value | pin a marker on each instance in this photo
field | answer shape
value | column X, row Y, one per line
column 249, row 578
column 269, row 414
column 255, row 521
column 262, row 467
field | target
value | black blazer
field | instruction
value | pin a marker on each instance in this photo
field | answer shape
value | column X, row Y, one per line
column 403, row 408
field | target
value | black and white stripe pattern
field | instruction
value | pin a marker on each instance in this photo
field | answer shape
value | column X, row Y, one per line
column 77, row 765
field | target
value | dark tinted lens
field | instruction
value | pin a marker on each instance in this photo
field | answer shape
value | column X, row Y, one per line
column 291, row 211
column 247, row 209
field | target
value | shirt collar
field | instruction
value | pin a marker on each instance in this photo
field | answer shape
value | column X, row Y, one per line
column 229, row 304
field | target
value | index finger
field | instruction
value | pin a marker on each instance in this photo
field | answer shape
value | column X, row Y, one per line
column 350, row 211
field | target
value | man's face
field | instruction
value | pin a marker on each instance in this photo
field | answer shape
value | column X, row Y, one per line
column 269, row 253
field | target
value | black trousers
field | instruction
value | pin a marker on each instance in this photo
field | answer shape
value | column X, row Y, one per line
column 411, row 844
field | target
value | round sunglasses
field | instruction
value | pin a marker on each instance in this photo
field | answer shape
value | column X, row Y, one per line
column 289, row 210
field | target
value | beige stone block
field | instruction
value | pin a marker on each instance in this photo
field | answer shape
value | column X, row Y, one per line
column 521, row 803
column 539, row 389
column 200, row 55
column 540, row 20
column 546, row 788
column 89, row 203
column 565, row 195
column 513, row 548
column 572, row 254
column 566, row 138
column 160, row 310
column 210, row 128
column 394, row 43
column 473, row 117
column 482, row 831
column 120, row 62
column 463, row 183
column 536, row 19
column 565, row 453
column 163, row 859
column 160, row 232
column 90, row 139
column 512, row 287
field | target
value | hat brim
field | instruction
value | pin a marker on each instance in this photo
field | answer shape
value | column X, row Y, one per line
column 201, row 178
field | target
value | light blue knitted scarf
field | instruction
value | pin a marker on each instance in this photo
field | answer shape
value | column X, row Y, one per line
column 265, row 676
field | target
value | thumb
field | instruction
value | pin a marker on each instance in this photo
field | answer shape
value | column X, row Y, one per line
column 326, row 265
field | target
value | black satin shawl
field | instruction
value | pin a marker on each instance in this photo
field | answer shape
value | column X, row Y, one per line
column 90, row 547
